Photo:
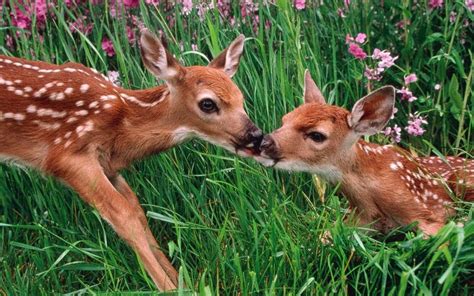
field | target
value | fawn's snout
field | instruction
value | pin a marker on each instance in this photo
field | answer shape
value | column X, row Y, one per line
column 252, row 140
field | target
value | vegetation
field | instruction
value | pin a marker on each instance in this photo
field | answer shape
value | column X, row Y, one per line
column 230, row 225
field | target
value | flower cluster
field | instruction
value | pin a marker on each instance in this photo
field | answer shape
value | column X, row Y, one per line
column 380, row 61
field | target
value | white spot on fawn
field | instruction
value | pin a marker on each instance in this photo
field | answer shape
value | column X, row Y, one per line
column 84, row 88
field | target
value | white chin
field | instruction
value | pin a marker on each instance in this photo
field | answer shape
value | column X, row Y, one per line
column 268, row 162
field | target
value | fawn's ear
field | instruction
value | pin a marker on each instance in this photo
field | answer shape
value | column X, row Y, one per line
column 371, row 113
column 228, row 60
column 157, row 59
column 311, row 94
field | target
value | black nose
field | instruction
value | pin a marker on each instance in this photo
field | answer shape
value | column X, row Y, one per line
column 267, row 143
column 256, row 137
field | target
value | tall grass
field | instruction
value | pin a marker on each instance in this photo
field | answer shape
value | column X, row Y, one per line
column 228, row 224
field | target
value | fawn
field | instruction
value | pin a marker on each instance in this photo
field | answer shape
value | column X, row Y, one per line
column 385, row 185
column 73, row 123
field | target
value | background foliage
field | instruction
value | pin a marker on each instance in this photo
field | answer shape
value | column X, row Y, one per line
column 230, row 225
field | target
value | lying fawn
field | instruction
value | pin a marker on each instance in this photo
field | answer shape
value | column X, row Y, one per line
column 385, row 185
column 71, row 122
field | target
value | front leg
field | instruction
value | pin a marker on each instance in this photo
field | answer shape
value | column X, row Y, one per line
column 122, row 186
column 84, row 174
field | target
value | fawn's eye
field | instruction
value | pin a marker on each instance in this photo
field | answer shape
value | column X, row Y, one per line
column 317, row 137
column 207, row 106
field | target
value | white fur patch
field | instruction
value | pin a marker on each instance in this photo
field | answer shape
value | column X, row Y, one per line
column 328, row 172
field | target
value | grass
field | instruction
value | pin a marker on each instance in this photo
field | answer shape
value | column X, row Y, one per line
column 228, row 224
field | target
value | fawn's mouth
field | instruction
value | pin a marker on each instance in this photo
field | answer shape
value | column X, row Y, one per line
column 250, row 149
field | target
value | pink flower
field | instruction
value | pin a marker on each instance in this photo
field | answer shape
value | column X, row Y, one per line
column 394, row 133
column 357, row 51
column 187, row 6
column 340, row 12
column 194, row 47
column 386, row 60
column 373, row 74
column 411, row 78
column 470, row 4
column 437, row 86
column 114, row 77
column 79, row 26
column 347, row 3
column 360, row 38
column 108, row 47
column 435, row 4
column 130, row 35
column 414, row 126
column 407, row 94
column 130, row 3
column 300, row 4
column 153, row 2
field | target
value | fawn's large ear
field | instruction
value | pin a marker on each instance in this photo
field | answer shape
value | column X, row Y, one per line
column 311, row 94
column 157, row 59
column 228, row 60
column 371, row 113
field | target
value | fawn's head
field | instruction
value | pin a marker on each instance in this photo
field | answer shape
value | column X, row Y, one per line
column 204, row 100
column 315, row 136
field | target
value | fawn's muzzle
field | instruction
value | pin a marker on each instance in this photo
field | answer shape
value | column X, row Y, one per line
column 250, row 142
column 269, row 148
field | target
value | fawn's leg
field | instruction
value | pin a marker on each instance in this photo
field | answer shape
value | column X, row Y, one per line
column 84, row 174
column 122, row 186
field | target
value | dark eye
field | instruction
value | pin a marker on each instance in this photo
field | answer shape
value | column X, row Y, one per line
column 207, row 106
column 317, row 137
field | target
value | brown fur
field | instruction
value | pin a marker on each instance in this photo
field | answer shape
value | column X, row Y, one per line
column 83, row 129
column 385, row 185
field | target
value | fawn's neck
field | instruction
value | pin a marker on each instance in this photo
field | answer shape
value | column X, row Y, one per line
column 150, row 123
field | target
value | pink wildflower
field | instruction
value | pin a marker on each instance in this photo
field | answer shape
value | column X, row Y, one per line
column 194, row 47
column 340, row 13
column 407, row 94
column 373, row 74
column 411, row 78
column 130, row 3
column 79, row 25
column 347, row 3
column 108, row 47
column 470, row 4
column 130, row 35
column 435, row 4
column 357, row 51
column 386, row 60
column 114, row 77
column 300, row 4
column 187, row 6
column 153, row 2
column 360, row 38
column 394, row 133
column 437, row 86
column 414, row 126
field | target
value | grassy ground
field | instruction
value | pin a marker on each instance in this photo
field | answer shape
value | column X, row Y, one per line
column 230, row 225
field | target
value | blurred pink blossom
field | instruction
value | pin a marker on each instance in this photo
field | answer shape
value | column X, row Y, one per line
column 357, row 51
column 108, row 47
column 414, row 126
column 153, row 2
column 130, row 35
column 435, row 3
column 437, row 86
column 347, row 3
column 373, row 74
column 187, row 6
column 79, row 25
column 340, row 12
column 394, row 133
column 114, row 77
column 470, row 4
column 410, row 78
column 300, row 4
column 194, row 47
column 360, row 38
column 407, row 94
column 130, row 3
column 386, row 60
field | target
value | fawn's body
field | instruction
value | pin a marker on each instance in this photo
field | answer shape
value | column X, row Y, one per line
column 385, row 185
column 71, row 122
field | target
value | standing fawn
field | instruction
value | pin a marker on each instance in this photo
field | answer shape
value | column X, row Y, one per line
column 385, row 185
column 71, row 122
